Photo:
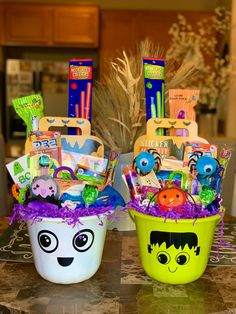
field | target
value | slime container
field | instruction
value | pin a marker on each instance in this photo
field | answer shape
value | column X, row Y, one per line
column 174, row 252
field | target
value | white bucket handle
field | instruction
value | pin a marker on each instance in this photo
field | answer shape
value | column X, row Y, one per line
column 131, row 216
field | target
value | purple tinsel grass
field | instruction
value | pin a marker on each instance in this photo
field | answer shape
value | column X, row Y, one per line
column 37, row 210
column 222, row 244
column 186, row 211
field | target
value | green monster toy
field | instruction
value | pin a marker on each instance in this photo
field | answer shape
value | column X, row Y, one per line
column 89, row 194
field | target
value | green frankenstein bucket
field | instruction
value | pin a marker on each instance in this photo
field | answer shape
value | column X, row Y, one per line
column 174, row 252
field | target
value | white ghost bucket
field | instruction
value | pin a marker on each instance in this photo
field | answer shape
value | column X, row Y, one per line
column 67, row 254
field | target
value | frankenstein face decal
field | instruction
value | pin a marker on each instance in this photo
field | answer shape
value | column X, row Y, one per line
column 80, row 243
column 175, row 252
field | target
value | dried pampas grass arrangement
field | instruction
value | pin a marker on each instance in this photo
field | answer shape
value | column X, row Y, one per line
column 119, row 101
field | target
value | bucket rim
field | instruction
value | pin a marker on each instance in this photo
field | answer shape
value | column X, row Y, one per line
column 58, row 219
column 134, row 213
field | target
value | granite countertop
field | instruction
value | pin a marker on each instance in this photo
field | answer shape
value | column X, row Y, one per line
column 119, row 286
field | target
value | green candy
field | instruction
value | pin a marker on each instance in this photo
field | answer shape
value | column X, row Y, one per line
column 89, row 194
column 207, row 195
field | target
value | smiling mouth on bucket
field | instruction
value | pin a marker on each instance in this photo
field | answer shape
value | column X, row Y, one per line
column 65, row 261
column 172, row 271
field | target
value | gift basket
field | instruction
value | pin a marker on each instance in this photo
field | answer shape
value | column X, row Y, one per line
column 176, row 205
column 63, row 185
column 175, row 184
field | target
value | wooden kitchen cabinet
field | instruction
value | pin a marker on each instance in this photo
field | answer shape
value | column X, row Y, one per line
column 50, row 25
column 75, row 26
column 1, row 24
column 125, row 29
column 27, row 24
column 118, row 32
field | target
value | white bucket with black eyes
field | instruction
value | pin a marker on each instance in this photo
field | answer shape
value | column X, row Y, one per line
column 67, row 254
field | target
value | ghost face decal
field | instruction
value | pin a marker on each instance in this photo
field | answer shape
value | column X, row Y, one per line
column 65, row 253
column 81, row 242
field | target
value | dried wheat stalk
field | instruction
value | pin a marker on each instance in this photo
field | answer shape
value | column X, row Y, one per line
column 119, row 102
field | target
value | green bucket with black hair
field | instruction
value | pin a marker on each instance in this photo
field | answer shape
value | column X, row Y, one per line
column 174, row 252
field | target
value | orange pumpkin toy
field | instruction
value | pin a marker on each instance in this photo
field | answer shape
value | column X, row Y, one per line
column 170, row 198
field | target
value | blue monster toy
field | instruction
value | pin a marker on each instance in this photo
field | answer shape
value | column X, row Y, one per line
column 206, row 167
column 145, row 162
column 210, row 172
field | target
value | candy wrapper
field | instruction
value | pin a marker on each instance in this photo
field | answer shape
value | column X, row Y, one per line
column 30, row 110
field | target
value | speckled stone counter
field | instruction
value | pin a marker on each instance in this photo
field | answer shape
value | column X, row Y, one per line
column 119, row 286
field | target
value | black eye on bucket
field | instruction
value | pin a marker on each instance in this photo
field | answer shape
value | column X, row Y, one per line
column 48, row 241
column 163, row 257
column 83, row 240
column 182, row 258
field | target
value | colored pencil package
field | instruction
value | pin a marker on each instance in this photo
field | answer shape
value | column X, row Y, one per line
column 80, row 90
column 154, row 76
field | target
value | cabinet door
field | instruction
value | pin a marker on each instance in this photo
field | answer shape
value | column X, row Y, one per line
column 76, row 26
column 122, row 29
column 155, row 25
column 1, row 24
column 118, row 32
column 26, row 24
